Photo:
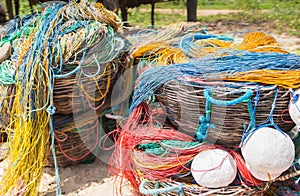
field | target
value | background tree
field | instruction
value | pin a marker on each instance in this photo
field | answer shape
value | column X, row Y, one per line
column 191, row 10
column 2, row 14
column 13, row 10
column 124, row 5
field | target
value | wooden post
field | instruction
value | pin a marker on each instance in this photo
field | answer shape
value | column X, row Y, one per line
column 31, row 6
column 2, row 15
column 9, row 8
column 124, row 15
column 17, row 8
column 152, row 13
column 191, row 10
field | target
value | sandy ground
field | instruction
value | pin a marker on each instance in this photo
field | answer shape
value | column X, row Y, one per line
column 184, row 12
column 84, row 179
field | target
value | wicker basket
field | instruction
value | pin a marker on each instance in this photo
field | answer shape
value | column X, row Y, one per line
column 74, row 141
column 193, row 189
column 78, row 93
column 184, row 103
column 172, row 187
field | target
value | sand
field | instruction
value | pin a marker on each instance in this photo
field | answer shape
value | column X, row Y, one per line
column 81, row 180
column 75, row 180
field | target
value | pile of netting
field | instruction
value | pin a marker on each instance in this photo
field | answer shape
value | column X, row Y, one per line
column 58, row 68
column 210, row 115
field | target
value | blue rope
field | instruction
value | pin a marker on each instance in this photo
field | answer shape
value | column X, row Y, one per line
column 202, row 130
column 269, row 122
column 160, row 190
column 58, row 188
column 243, row 98
column 46, row 29
column 16, row 27
column 151, row 79
column 205, row 124
column 7, row 72
column 252, row 113
column 295, row 98
column 51, row 111
column 187, row 45
column 199, row 36
column 180, row 191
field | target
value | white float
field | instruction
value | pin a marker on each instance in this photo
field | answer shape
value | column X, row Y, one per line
column 294, row 109
column 268, row 153
column 262, row 175
column 214, row 168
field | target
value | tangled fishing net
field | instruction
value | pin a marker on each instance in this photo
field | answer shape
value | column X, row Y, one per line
column 64, row 61
column 210, row 116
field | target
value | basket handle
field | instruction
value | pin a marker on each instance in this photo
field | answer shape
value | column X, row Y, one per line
column 243, row 98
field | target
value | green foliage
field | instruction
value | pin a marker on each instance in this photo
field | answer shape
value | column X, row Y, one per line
column 249, row 5
column 24, row 7
column 168, row 5
column 287, row 13
column 216, row 4
column 142, row 19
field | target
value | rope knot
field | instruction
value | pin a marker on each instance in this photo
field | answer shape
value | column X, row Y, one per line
column 51, row 109
column 180, row 191
column 151, row 99
column 202, row 130
column 295, row 98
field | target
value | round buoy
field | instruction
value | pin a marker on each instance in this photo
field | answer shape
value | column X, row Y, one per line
column 262, row 175
column 294, row 108
column 268, row 152
column 214, row 168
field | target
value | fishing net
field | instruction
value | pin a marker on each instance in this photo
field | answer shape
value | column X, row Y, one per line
column 214, row 93
column 64, row 60
column 185, row 104
column 79, row 93
column 156, row 160
column 74, row 141
column 208, row 91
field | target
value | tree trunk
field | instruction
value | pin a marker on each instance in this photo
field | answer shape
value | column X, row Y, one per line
column 9, row 8
column 2, row 15
column 152, row 13
column 17, row 7
column 191, row 10
column 124, row 15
